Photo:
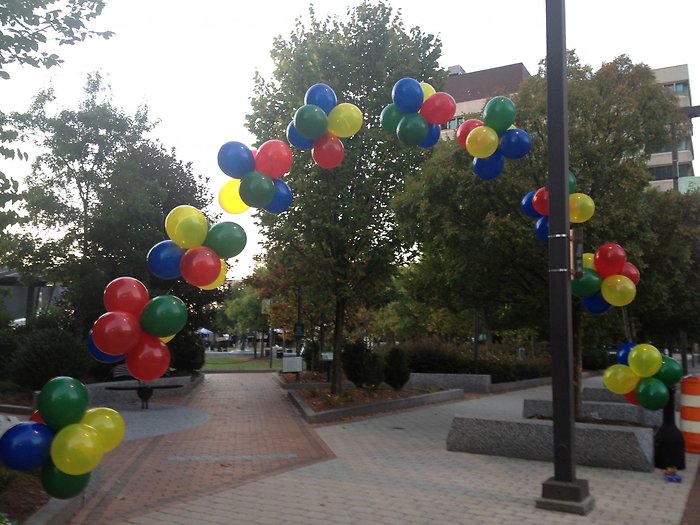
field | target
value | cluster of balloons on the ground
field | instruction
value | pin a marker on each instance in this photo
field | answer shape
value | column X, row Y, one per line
column 321, row 122
column 255, row 176
column 535, row 204
column 643, row 375
column 608, row 279
column 416, row 113
column 63, row 438
column 494, row 138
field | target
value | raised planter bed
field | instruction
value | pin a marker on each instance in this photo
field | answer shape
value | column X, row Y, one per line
column 336, row 414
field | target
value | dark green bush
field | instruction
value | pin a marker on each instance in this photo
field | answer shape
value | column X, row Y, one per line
column 9, row 339
column 396, row 371
column 362, row 366
column 596, row 358
column 186, row 352
column 46, row 353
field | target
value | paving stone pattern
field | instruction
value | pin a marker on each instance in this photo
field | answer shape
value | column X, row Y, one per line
column 391, row 470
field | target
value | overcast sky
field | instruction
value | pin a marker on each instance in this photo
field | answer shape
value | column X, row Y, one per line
column 193, row 63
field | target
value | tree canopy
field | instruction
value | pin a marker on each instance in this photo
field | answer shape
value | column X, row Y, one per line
column 339, row 238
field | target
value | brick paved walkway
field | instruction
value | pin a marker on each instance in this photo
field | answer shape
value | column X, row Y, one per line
column 256, row 462
column 253, row 431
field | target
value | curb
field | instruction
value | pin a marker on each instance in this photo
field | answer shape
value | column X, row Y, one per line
column 327, row 416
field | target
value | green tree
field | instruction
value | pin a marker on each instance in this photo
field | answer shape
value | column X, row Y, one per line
column 477, row 250
column 340, row 229
column 97, row 199
column 242, row 311
column 28, row 28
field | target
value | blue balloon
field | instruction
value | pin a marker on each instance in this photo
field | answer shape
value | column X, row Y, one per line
column 526, row 205
column 542, row 229
column 515, row 143
column 321, row 95
column 623, row 353
column 407, row 95
column 296, row 139
column 235, row 159
column 99, row 355
column 432, row 137
column 26, row 446
column 163, row 260
column 282, row 199
column 595, row 304
column 490, row 167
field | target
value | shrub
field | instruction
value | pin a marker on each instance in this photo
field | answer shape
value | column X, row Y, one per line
column 595, row 358
column 9, row 340
column 361, row 365
column 396, row 371
column 186, row 352
column 46, row 353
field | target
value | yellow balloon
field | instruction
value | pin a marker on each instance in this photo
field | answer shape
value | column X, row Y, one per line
column 588, row 261
column 618, row 290
column 344, row 120
column 581, row 208
column 219, row 280
column 229, row 198
column 645, row 360
column 167, row 338
column 620, row 379
column 76, row 449
column 428, row 90
column 109, row 425
column 186, row 226
column 482, row 142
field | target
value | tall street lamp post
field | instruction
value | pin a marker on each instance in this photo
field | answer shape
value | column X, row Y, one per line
column 562, row 492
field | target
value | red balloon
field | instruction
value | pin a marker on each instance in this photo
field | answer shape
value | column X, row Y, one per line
column 609, row 259
column 630, row 271
column 125, row 294
column 36, row 416
column 200, row 266
column 149, row 360
column 328, row 151
column 465, row 128
column 274, row 159
column 439, row 108
column 540, row 201
column 116, row 333
column 632, row 397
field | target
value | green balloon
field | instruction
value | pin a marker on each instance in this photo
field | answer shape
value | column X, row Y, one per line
column 499, row 114
column 652, row 393
column 572, row 182
column 390, row 118
column 412, row 129
column 62, row 402
column 256, row 189
column 586, row 285
column 670, row 372
column 310, row 121
column 164, row 315
column 60, row 485
column 226, row 238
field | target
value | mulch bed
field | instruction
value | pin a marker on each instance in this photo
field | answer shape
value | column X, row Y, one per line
column 321, row 399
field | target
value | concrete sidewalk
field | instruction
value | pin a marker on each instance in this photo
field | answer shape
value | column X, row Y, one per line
column 252, row 460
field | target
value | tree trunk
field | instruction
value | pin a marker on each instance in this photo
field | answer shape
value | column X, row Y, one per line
column 337, row 379
column 577, row 360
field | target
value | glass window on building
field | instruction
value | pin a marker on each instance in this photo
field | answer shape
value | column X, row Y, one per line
column 666, row 172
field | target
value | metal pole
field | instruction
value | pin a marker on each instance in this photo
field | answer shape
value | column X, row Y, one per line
column 563, row 492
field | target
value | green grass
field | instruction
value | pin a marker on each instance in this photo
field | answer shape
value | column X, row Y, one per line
column 234, row 362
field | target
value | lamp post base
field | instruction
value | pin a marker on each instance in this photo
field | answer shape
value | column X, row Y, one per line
column 566, row 496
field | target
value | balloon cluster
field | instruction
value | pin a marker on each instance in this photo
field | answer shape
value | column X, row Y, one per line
column 608, row 279
column 320, row 124
column 195, row 251
column 64, row 438
column 417, row 112
column 132, row 327
column 535, row 204
column 255, row 176
column 643, row 375
column 494, row 138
